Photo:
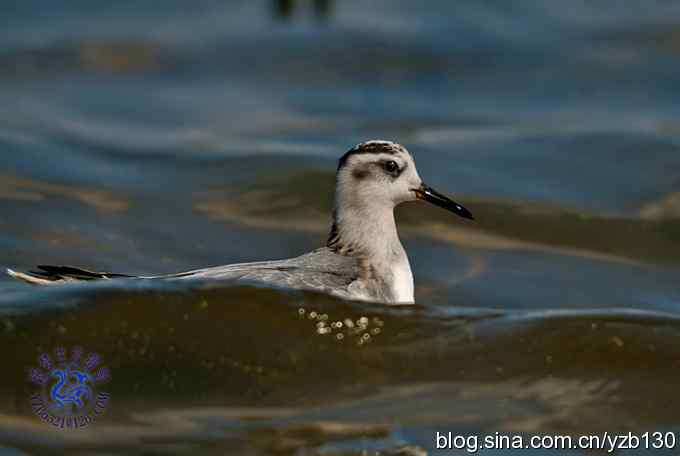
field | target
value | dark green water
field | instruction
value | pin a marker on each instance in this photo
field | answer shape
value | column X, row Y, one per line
column 147, row 139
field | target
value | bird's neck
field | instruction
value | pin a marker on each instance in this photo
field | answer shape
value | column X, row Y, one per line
column 369, row 233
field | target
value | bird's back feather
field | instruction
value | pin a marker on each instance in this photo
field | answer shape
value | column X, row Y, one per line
column 321, row 269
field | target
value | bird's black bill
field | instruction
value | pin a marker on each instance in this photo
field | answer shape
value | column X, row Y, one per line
column 436, row 198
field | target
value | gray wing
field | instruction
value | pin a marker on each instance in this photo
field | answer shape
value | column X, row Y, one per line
column 320, row 269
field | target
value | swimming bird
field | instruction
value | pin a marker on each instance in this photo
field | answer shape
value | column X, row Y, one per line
column 363, row 258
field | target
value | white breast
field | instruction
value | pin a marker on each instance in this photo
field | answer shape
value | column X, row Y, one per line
column 402, row 283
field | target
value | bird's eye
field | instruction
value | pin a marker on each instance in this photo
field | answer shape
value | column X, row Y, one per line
column 391, row 166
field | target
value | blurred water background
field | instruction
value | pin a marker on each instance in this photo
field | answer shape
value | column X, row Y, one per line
column 146, row 137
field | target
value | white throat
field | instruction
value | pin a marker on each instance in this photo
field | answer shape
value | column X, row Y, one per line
column 369, row 232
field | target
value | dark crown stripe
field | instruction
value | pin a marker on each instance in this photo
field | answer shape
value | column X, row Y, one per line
column 370, row 148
